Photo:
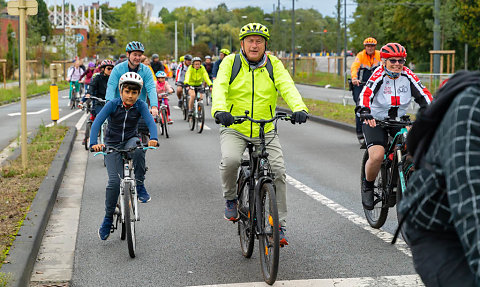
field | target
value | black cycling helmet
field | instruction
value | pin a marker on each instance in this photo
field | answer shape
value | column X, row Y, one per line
column 187, row 57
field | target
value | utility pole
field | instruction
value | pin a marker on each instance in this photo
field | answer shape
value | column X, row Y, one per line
column 293, row 38
column 345, row 48
column 339, row 30
column 176, row 42
column 193, row 35
column 436, row 37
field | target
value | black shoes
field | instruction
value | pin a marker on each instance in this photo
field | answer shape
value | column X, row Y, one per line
column 367, row 196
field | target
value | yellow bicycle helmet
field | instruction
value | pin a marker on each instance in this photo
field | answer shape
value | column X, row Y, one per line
column 370, row 41
column 225, row 51
column 254, row 29
column 181, row 59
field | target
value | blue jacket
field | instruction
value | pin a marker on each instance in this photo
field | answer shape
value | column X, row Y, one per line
column 148, row 83
column 216, row 66
column 122, row 122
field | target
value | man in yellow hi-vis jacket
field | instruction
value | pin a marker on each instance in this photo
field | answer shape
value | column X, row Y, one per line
column 249, row 81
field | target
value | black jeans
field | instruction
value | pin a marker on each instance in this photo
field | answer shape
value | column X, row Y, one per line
column 439, row 258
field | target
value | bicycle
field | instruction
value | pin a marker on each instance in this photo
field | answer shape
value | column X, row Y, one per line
column 88, row 125
column 257, row 203
column 395, row 171
column 185, row 101
column 197, row 120
column 162, row 118
column 127, row 207
column 208, row 96
column 75, row 97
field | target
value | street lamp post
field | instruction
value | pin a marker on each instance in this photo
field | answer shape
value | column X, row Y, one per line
column 13, row 54
column 293, row 38
column 43, row 38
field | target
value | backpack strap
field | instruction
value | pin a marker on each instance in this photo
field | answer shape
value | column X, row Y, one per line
column 237, row 65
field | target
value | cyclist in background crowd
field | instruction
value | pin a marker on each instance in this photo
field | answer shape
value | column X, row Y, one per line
column 387, row 94
column 173, row 67
column 98, row 86
column 362, row 68
column 253, row 90
column 134, row 52
column 180, row 76
column 156, row 64
column 216, row 66
column 146, row 61
column 88, row 75
column 194, row 78
column 73, row 76
column 208, row 64
column 121, row 59
column 164, row 87
column 123, row 114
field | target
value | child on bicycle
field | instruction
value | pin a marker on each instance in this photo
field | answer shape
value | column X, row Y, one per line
column 123, row 114
column 164, row 87
column 194, row 78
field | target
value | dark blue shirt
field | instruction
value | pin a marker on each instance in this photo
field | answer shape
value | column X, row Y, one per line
column 122, row 122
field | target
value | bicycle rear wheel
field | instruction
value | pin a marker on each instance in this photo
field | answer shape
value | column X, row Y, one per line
column 164, row 123
column 269, row 247
column 378, row 215
column 245, row 210
column 129, row 219
column 200, row 118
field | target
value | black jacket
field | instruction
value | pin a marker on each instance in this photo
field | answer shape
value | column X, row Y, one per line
column 98, row 86
column 157, row 66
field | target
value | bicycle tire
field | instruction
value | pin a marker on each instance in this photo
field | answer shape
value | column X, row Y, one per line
column 164, row 123
column 200, row 118
column 88, row 127
column 191, row 121
column 123, row 232
column 245, row 209
column 185, row 108
column 207, row 96
column 407, row 172
column 269, row 246
column 378, row 215
column 129, row 219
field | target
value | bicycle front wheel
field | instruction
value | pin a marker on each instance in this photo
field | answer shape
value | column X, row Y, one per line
column 408, row 169
column 164, row 123
column 378, row 215
column 245, row 221
column 129, row 219
column 269, row 247
column 200, row 118
column 191, row 121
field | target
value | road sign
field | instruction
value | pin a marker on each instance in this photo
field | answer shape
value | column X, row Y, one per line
column 13, row 7
column 79, row 37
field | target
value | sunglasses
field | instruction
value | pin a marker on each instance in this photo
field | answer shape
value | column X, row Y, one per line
column 393, row 61
column 108, row 68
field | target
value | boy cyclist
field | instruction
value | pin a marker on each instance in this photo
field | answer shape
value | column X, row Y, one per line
column 194, row 78
column 123, row 114
column 164, row 87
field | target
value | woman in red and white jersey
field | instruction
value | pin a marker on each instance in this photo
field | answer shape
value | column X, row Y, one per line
column 387, row 94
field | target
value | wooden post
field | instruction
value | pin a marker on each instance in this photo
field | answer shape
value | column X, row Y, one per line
column 4, row 66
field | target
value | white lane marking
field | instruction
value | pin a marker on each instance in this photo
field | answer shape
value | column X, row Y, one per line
column 64, row 97
column 205, row 127
column 176, row 107
column 65, row 117
column 402, row 280
column 81, row 121
column 350, row 215
column 28, row 113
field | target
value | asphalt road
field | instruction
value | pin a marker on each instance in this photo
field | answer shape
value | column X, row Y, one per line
column 183, row 240
column 38, row 112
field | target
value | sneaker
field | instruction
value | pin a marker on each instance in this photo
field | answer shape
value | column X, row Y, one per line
column 105, row 228
column 231, row 213
column 180, row 103
column 169, row 121
column 367, row 196
column 142, row 193
column 282, row 237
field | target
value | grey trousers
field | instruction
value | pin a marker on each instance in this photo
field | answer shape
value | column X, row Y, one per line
column 233, row 144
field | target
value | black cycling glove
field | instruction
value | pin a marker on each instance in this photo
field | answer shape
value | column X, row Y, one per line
column 299, row 117
column 363, row 113
column 224, row 118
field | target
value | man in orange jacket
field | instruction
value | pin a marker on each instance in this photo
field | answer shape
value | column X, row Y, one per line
column 362, row 68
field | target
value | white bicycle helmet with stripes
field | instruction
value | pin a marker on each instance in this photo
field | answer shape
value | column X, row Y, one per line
column 131, row 78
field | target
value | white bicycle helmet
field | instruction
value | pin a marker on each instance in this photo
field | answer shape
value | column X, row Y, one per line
column 131, row 78
column 196, row 59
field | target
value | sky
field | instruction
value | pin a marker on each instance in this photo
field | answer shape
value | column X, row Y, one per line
column 325, row 7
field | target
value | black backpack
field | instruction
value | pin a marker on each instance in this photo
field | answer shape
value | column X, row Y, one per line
column 427, row 121
column 237, row 65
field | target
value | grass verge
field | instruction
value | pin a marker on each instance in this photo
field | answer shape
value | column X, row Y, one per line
column 13, row 95
column 19, row 186
column 5, row 279
column 333, row 111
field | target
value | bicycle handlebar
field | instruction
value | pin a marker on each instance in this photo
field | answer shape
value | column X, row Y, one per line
column 391, row 123
column 279, row 116
column 97, row 99
column 107, row 150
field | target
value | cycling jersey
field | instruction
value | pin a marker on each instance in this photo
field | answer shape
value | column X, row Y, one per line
column 180, row 74
column 195, row 77
column 253, row 90
column 387, row 97
column 364, row 65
